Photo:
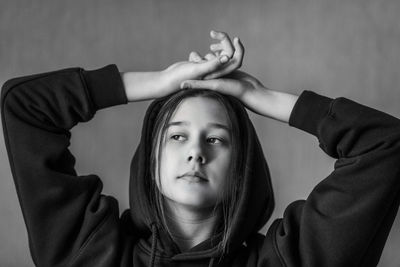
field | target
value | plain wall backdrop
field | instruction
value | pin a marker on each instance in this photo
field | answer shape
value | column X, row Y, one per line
column 335, row 48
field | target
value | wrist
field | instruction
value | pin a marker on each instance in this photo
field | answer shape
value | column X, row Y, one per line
column 140, row 86
column 274, row 104
column 164, row 80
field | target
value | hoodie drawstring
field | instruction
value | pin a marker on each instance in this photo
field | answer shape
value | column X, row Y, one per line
column 211, row 264
column 153, row 244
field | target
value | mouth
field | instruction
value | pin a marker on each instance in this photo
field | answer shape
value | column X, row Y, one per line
column 196, row 177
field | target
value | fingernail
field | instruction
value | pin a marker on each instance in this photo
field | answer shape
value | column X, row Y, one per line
column 185, row 85
column 223, row 59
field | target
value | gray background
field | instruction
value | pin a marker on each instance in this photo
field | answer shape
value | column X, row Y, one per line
column 336, row 48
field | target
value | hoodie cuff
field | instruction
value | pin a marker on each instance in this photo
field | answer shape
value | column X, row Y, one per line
column 105, row 87
column 309, row 111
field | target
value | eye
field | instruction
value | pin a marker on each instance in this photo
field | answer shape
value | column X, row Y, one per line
column 214, row 140
column 177, row 137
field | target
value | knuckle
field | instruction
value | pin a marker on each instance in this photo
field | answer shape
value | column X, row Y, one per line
column 214, row 47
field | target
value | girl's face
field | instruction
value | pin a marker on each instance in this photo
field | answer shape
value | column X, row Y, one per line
column 196, row 154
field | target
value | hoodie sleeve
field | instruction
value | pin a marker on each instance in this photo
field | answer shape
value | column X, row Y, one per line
column 346, row 219
column 67, row 219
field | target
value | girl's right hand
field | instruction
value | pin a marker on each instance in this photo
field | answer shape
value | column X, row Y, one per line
column 150, row 85
column 227, row 57
column 234, row 50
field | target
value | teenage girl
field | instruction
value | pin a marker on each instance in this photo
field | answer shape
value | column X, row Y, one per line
column 200, row 188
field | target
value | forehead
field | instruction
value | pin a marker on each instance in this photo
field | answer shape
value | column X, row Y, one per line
column 200, row 110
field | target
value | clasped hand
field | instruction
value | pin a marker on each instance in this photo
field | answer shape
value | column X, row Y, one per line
column 217, row 70
column 228, row 80
column 225, row 57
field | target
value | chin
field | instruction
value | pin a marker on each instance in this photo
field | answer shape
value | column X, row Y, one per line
column 193, row 201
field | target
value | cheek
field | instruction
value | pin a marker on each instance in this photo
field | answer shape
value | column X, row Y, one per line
column 222, row 165
column 225, row 157
column 167, row 166
column 169, row 158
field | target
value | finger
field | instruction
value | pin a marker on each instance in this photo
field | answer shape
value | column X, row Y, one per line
column 201, row 84
column 218, row 35
column 194, row 57
column 224, row 86
column 191, row 58
column 205, row 67
column 239, row 53
column 221, row 72
column 209, row 56
column 234, row 63
column 212, row 76
column 216, row 74
column 216, row 47
column 225, row 42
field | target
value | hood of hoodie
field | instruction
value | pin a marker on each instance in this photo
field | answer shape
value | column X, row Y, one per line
column 255, row 205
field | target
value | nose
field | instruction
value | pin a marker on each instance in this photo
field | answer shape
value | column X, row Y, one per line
column 196, row 155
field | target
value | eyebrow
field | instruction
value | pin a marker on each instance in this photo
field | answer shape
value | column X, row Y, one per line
column 210, row 124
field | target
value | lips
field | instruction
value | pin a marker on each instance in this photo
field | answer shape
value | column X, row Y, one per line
column 194, row 176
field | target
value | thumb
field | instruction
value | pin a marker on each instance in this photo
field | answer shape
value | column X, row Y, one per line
column 219, row 85
column 224, row 86
column 199, row 84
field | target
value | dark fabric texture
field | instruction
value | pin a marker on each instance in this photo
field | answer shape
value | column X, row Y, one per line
column 344, row 221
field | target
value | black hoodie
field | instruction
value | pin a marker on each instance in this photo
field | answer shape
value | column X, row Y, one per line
column 345, row 220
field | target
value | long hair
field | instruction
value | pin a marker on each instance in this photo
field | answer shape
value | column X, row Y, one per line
column 231, row 194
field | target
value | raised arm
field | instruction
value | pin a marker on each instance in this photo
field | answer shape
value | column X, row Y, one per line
column 346, row 219
column 67, row 218
column 150, row 85
column 65, row 214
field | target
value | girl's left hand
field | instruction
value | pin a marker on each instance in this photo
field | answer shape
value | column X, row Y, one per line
column 238, row 84
column 251, row 92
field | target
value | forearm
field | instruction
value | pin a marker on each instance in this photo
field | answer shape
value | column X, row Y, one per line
column 344, row 128
column 273, row 104
column 140, row 85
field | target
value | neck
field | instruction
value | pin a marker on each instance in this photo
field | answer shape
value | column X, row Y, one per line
column 189, row 226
